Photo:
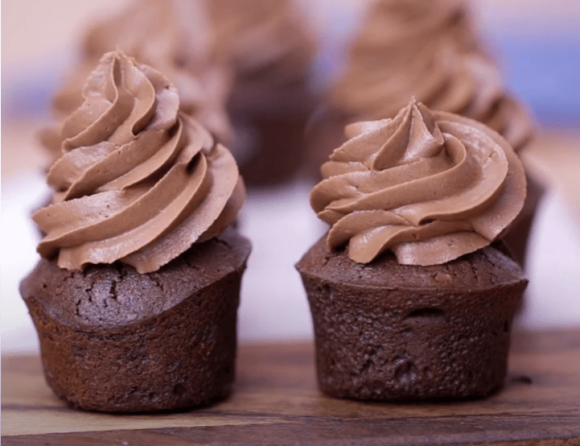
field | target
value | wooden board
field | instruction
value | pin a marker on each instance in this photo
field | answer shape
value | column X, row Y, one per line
column 276, row 401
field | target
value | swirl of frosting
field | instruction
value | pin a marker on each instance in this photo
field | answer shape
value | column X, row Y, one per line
column 262, row 38
column 138, row 181
column 430, row 187
column 173, row 37
column 396, row 27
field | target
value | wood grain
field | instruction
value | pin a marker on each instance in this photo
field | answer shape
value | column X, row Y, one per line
column 276, row 402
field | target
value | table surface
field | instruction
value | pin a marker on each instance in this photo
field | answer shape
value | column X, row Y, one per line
column 276, row 401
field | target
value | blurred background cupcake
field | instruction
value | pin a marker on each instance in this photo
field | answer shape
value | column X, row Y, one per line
column 270, row 47
column 429, row 50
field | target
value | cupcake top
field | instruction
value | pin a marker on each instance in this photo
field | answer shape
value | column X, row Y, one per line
column 173, row 37
column 429, row 186
column 263, row 40
column 428, row 50
column 139, row 181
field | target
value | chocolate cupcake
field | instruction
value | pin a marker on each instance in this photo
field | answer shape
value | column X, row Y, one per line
column 419, row 304
column 135, row 299
column 270, row 50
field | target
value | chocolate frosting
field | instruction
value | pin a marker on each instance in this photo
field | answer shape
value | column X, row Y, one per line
column 430, row 55
column 172, row 36
column 429, row 186
column 396, row 27
column 138, row 181
column 262, row 39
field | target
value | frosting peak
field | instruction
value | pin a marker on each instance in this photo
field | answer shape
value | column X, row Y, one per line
column 138, row 181
column 430, row 186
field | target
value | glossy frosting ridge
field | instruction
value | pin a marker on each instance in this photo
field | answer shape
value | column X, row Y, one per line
column 139, row 181
column 429, row 186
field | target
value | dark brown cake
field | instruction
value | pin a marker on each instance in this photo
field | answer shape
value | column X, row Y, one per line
column 386, row 331
column 117, row 341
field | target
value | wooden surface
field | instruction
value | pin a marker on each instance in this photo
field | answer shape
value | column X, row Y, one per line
column 276, row 401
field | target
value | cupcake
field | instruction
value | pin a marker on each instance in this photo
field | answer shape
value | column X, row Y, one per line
column 269, row 49
column 436, row 59
column 171, row 36
column 412, row 297
column 135, row 298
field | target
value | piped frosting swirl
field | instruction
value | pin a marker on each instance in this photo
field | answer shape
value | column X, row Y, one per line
column 138, row 181
column 430, row 187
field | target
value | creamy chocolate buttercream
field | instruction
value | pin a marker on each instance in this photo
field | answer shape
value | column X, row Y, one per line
column 138, row 180
column 396, row 27
column 173, row 37
column 430, row 186
column 262, row 39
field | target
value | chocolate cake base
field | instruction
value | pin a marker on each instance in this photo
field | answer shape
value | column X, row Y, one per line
column 114, row 340
column 392, row 332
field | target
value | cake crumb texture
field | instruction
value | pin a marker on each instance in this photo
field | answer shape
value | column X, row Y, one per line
column 116, row 341
column 386, row 331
